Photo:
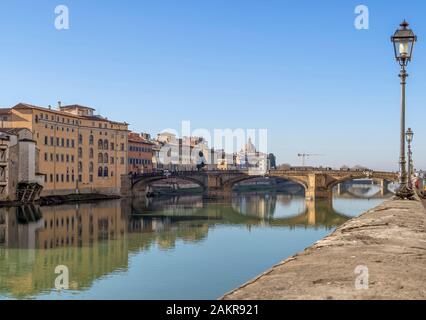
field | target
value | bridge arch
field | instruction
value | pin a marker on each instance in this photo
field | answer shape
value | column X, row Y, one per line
column 335, row 182
column 139, row 185
column 230, row 184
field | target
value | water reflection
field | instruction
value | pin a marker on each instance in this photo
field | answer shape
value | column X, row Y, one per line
column 96, row 241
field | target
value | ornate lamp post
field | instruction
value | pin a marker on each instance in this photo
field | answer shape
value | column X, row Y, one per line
column 403, row 41
column 410, row 134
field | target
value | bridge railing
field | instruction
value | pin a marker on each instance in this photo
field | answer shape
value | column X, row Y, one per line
column 177, row 173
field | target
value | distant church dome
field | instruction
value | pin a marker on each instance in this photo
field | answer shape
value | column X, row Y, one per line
column 249, row 147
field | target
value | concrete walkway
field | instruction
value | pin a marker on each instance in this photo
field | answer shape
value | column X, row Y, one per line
column 387, row 243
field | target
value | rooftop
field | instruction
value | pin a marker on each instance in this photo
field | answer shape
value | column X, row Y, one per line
column 61, row 112
column 5, row 111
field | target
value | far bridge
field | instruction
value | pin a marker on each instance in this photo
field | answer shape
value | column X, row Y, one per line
column 318, row 183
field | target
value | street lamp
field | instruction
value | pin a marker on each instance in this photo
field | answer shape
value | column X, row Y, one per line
column 403, row 42
column 410, row 134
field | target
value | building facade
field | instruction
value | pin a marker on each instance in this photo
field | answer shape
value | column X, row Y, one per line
column 79, row 152
column 19, row 176
column 140, row 153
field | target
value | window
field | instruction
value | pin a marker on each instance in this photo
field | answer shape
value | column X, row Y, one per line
column 122, row 160
column 112, row 146
column 106, row 158
column 106, row 172
column 68, row 158
column 51, row 178
column 100, row 172
column 57, row 178
column 91, row 139
column 57, row 142
column 46, row 155
column 62, row 142
column 46, row 140
column 68, row 143
column 80, row 166
column 90, row 166
column 91, row 153
column 72, row 142
column 91, row 178
column 100, row 158
column 51, row 157
column 80, row 139
column 100, row 144
column 80, row 178
column 51, row 141
column 112, row 160
column 122, row 147
column 106, row 144
column 80, row 152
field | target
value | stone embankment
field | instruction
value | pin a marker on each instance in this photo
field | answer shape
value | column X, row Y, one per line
column 379, row 255
column 63, row 199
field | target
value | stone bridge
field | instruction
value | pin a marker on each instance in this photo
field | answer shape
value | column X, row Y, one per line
column 318, row 184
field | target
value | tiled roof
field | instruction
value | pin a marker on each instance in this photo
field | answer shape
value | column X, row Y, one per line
column 135, row 137
column 13, row 131
column 4, row 111
column 30, row 106
column 73, row 106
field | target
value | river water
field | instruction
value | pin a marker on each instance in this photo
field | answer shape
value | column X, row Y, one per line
column 176, row 248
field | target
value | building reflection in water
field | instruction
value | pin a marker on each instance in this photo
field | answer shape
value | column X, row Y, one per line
column 95, row 240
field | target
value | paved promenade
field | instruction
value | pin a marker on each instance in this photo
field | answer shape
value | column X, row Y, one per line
column 389, row 240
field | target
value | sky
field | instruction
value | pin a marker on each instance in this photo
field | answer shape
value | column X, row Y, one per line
column 300, row 69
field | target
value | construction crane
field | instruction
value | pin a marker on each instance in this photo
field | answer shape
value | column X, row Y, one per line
column 305, row 156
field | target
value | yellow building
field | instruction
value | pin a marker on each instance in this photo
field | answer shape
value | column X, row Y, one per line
column 79, row 151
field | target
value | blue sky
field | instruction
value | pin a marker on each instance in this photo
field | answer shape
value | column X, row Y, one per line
column 297, row 68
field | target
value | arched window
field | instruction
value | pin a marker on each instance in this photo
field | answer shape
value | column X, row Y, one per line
column 106, row 144
column 100, row 144
column 80, row 138
column 100, row 172
column 91, row 153
column 106, row 172
column 100, row 158
column 91, row 140
column 80, row 166
column 106, row 158
column 90, row 166
column 80, row 152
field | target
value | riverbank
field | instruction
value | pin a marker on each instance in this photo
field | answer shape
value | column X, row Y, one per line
column 389, row 241
column 63, row 199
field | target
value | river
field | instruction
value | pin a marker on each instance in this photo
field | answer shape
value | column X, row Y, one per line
column 176, row 248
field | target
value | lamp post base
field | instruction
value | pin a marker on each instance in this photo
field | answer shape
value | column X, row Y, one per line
column 405, row 193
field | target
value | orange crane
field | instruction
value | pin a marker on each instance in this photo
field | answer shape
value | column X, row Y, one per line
column 305, row 156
